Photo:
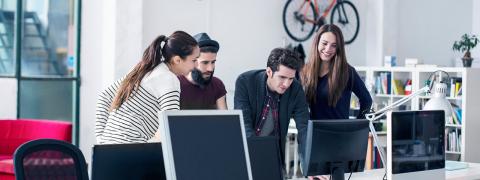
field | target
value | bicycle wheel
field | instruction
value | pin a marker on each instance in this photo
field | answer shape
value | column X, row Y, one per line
column 345, row 16
column 299, row 19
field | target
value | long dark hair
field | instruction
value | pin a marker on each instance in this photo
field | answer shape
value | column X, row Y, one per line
column 338, row 69
column 178, row 44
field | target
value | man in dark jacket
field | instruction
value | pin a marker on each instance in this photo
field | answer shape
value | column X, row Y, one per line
column 271, row 96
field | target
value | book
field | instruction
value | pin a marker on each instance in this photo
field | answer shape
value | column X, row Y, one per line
column 369, row 158
column 458, row 84
column 458, row 113
column 454, row 119
column 398, row 87
column 452, row 86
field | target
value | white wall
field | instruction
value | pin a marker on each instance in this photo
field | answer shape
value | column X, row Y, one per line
column 8, row 96
column 476, row 27
column 428, row 28
column 374, row 32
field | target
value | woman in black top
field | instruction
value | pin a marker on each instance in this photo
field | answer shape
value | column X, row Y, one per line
column 329, row 80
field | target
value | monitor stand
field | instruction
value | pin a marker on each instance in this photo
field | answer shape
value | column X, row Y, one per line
column 337, row 170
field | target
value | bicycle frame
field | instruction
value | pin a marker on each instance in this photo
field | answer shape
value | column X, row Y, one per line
column 325, row 13
column 302, row 17
column 317, row 9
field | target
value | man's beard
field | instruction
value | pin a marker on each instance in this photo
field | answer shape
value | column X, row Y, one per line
column 197, row 77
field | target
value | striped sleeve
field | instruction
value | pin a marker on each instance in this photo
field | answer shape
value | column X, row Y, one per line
column 102, row 109
column 169, row 101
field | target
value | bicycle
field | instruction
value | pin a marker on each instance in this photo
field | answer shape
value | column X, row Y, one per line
column 300, row 18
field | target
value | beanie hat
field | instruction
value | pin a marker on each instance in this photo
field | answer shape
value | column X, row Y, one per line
column 204, row 40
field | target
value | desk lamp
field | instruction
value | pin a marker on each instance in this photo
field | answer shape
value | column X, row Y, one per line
column 437, row 102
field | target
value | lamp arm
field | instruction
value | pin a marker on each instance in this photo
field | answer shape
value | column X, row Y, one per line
column 376, row 115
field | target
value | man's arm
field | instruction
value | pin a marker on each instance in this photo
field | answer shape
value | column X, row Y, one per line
column 301, row 117
column 222, row 103
column 240, row 101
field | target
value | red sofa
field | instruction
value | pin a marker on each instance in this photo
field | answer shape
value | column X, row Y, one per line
column 14, row 133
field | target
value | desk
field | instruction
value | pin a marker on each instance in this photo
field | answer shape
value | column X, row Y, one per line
column 470, row 173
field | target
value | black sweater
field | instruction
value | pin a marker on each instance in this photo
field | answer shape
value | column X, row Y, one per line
column 321, row 109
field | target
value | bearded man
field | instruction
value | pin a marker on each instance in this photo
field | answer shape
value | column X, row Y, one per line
column 200, row 89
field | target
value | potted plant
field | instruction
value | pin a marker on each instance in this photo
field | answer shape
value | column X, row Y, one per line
column 465, row 44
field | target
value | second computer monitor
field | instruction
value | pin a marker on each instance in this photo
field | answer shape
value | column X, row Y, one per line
column 335, row 147
column 416, row 145
column 204, row 144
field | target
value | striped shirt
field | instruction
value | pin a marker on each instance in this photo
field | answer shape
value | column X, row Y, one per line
column 136, row 120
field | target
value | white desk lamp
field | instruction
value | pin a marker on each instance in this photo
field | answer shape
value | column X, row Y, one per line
column 437, row 102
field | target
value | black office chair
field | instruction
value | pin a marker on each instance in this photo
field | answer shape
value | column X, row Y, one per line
column 49, row 159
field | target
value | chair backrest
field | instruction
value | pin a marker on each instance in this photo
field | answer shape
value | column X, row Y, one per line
column 49, row 159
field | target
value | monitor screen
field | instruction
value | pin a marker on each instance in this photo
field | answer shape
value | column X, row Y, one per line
column 417, row 139
column 128, row 162
column 265, row 157
column 335, row 147
column 205, row 144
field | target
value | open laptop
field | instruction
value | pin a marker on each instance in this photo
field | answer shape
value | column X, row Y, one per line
column 264, row 158
column 143, row 161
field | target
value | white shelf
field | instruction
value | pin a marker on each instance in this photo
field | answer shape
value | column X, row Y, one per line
column 454, row 125
column 453, row 152
column 468, row 101
column 383, row 95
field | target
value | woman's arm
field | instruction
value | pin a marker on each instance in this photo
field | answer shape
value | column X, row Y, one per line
column 362, row 93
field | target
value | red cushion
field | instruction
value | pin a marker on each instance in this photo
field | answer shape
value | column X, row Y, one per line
column 16, row 132
column 7, row 176
column 4, row 156
column 6, row 166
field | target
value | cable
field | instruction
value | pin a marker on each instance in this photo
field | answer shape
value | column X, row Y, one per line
column 350, row 175
column 385, row 176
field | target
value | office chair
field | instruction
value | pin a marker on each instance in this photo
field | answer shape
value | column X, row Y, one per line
column 49, row 159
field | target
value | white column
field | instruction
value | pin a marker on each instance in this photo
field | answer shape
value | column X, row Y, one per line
column 476, row 26
column 111, row 45
column 128, row 36
column 390, row 30
column 374, row 33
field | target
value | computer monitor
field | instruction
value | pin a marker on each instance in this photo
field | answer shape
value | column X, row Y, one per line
column 265, row 157
column 416, row 144
column 204, row 144
column 128, row 162
column 335, row 147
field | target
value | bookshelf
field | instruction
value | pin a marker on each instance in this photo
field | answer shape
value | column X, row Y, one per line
column 389, row 84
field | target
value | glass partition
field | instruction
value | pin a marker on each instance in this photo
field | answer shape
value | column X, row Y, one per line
column 48, row 38
column 7, row 31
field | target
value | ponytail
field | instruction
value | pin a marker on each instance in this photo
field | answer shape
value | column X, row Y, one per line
column 161, row 50
column 152, row 56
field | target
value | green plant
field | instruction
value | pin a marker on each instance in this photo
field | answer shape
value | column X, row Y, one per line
column 466, row 43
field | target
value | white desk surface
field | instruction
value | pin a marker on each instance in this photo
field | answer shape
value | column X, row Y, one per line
column 470, row 173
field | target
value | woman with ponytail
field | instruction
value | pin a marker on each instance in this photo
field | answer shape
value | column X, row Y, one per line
column 329, row 80
column 127, row 110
